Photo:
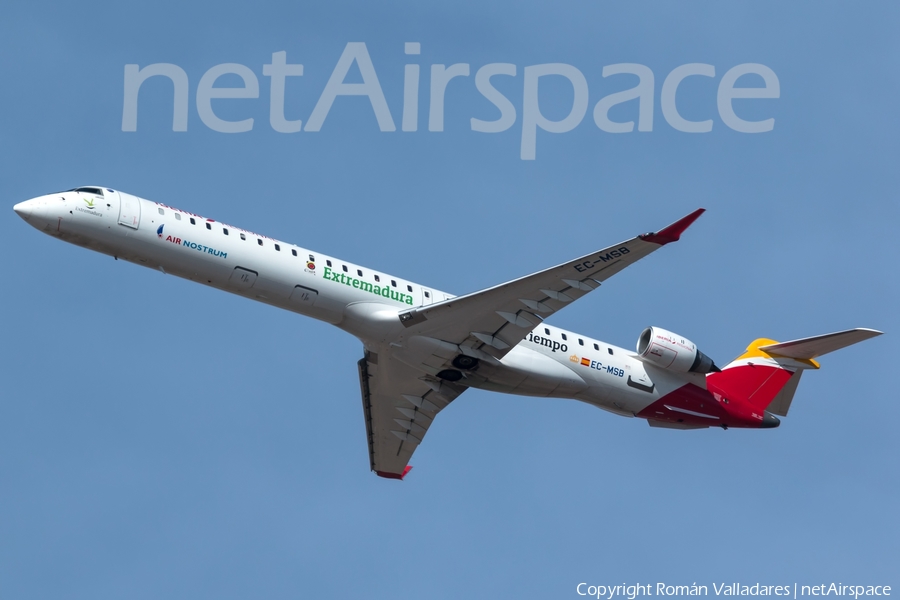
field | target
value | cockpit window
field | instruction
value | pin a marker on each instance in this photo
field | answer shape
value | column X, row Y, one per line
column 89, row 190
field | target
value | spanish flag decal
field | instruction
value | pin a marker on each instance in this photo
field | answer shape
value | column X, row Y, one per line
column 585, row 362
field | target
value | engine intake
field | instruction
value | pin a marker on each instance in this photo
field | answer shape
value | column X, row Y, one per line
column 673, row 352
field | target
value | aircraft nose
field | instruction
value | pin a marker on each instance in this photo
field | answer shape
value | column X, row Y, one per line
column 37, row 212
column 769, row 421
column 24, row 209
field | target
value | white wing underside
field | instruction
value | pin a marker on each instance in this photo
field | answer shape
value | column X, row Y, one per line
column 399, row 406
column 401, row 401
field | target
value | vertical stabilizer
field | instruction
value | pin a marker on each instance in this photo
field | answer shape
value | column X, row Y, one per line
column 782, row 401
column 752, row 379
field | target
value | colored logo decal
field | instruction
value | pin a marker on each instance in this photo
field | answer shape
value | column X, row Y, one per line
column 385, row 291
column 193, row 246
column 90, row 203
column 311, row 266
column 573, row 358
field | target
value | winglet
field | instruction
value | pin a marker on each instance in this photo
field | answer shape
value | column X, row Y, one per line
column 673, row 232
column 399, row 476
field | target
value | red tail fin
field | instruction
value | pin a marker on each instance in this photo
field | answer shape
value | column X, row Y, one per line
column 755, row 384
column 757, row 378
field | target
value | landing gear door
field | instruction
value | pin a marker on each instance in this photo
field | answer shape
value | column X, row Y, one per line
column 129, row 210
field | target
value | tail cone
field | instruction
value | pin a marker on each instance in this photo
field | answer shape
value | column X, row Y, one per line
column 769, row 421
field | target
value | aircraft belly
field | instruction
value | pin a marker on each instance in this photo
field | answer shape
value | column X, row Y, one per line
column 85, row 241
column 375, row 323
column 531, row 373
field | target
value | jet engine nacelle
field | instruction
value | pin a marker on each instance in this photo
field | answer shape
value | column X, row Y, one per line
column 673, row 352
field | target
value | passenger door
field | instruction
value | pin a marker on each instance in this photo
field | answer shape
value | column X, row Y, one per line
column 129, row 210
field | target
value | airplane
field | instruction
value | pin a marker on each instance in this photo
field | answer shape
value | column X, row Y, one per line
column 423, row 347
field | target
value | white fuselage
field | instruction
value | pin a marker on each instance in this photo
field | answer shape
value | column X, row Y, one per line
column 366, row 303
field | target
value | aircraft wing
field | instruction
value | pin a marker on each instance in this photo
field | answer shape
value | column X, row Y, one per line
column 399, row 404
column 498, row 318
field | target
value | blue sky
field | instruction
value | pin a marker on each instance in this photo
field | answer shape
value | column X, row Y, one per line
column 162, row 439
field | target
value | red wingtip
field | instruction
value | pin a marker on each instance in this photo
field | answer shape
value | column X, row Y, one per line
column 673, row 232
column 399, row 476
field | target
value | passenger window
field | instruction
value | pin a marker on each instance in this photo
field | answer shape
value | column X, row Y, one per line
column 277, row 247
column 193, row 222
column 208, row 226
column 377, row 278
column 393, row 283
column 225, row 231
column 259, row 241
column 359, row 272
column 546, row 331
column 243, row 237
column 564, row 337
column 328, row 262
column 596, row 347
column 609, row 350
column 344, row 267
column 294, row 252
column 409, row 288
column 427, row 295
column 312, row 258
column 161, row 211
column 177, row 215
column 580, row 342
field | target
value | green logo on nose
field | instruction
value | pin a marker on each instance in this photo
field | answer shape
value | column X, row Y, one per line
column 90, row 203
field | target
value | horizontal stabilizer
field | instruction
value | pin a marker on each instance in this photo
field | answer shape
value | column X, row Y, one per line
column 811, row 347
